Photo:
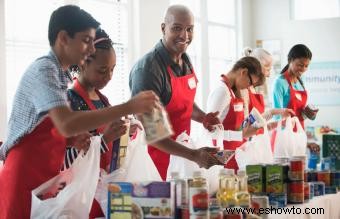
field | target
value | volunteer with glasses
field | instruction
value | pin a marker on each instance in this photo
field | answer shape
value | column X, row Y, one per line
column 246, row 72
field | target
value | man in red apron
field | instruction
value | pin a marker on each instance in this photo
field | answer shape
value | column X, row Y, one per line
column 34, row 149
column 167, row 71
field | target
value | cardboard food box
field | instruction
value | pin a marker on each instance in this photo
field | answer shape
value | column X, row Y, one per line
column 153, row 198
column 256, row 178
column 276, row 178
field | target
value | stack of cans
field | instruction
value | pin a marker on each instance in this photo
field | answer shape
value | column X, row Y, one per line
column 296, row 180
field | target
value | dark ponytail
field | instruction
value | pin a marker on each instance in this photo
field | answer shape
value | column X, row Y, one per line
column 296, row 52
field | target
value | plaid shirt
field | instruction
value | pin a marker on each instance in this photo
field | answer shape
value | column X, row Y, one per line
column 42, row 87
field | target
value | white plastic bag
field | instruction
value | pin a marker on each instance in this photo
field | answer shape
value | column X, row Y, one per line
column 137, row 167
column 255, row 151
column 186, row 167
column 289, row 143
column 300, row 139
column 72, row 190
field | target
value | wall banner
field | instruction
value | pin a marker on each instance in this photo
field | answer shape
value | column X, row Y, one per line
column 323, row 83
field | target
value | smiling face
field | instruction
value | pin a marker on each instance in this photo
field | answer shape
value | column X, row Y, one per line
column 79, row 47
column 298, row 66
column 178, row 31
column 98, row 71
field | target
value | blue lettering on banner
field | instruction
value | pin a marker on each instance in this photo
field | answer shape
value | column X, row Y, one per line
column 322, row 81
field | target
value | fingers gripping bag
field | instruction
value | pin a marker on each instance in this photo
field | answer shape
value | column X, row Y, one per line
column 186, row 168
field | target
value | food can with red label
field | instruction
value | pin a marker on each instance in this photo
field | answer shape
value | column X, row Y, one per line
column 296, row 192
column 324, row 176
column 297, row 167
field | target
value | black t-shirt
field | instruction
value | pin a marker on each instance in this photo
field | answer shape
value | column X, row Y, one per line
column 150, row 73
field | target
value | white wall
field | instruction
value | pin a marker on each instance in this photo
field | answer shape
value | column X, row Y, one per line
column 3, row 107
column 147, row 26
column 271, row 20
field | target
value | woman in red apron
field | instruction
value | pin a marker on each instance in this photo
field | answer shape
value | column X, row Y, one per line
column 85, row 95
column 43, row 118
column 289, row 90
column 245, row 73
column 253, row 95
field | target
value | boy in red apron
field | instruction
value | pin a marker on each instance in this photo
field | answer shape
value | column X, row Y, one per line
column 41, row 118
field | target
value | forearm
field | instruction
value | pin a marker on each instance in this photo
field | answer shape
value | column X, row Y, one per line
column 71, row 123
column 197, row 114
column 172, row 147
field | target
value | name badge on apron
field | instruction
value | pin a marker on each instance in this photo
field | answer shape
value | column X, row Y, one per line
column 192, row 83
column 298, row 96
column 238, row 107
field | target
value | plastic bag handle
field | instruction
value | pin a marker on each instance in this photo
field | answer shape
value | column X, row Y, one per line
column 218, row 134
column 298, row 124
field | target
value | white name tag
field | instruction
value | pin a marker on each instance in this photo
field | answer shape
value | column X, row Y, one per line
column 192, row 83
column 298, row 96
column 238, row 107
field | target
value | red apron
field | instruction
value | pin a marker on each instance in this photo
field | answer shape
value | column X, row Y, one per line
column 35, row 159
column 257, row 101
column 233, row 121
column 179, row 110
column 298, row 100
column 106, row 157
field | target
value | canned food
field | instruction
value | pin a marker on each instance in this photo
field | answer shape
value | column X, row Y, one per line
column 306, row 191
column 297, row 166
column 312, row 176
column 295, row 192
column 319, row 188
column 324, row 176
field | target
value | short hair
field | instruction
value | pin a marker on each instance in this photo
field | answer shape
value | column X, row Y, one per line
column 70, row 18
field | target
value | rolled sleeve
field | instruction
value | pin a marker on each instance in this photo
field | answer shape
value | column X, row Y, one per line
column 48, row 90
